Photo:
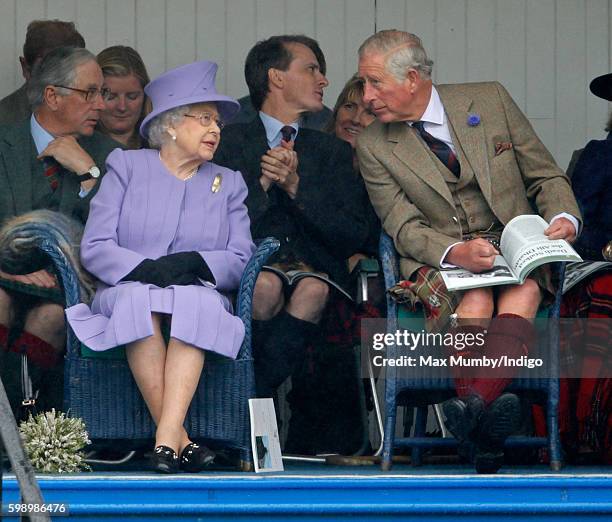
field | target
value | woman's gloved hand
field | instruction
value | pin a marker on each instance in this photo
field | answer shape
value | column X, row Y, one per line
column 182, row 268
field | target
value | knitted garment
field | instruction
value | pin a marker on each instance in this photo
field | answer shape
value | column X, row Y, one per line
column 21, row 252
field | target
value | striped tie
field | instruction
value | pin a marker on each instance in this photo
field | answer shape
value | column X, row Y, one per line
column 442, row 151
column 52, row 169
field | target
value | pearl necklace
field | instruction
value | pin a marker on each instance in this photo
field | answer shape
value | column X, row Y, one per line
column 193, row 173
column 189, row 176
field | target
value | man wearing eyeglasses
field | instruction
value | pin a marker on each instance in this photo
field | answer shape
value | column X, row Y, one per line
column 51, row 161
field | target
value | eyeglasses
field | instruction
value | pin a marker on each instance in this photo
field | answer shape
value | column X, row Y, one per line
column 206, row 119
column 90, row 94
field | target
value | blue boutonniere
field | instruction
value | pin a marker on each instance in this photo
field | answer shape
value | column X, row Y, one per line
column 473, row 119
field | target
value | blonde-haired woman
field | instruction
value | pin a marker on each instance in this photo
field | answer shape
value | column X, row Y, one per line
column 125, row 75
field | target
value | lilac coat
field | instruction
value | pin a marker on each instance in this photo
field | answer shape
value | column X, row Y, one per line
column 142, row 211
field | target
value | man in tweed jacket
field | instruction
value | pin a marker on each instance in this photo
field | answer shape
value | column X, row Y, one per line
column 445, row 165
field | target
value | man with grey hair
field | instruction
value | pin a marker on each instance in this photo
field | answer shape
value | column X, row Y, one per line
column 51, row 161
column 42, row 36
column 446, row 167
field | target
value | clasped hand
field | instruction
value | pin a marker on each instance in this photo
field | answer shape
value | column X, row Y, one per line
column 181, row 268
column 279, row 166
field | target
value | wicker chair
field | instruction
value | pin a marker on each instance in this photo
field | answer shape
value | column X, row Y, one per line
column 103, row 393
column 411, row 389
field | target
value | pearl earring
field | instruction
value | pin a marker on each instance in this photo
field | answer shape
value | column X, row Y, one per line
column 173, row 137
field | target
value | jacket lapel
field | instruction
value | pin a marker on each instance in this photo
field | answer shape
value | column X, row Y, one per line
column 472, row 139
column 19, row 151
column 412, row 152
column 256, row 143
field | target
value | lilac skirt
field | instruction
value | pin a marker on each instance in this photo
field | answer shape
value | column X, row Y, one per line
column 121, row 314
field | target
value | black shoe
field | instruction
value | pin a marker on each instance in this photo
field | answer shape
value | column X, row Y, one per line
column 462, row 416
column 195, row 458
column 164, row 460
column 500, row 420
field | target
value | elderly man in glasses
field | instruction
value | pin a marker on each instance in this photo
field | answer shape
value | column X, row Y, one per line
column 52, row 161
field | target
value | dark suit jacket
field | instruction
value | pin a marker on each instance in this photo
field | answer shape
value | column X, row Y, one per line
column 23, row 184
column 15, row 107
column 324, row 224
column 591, row 179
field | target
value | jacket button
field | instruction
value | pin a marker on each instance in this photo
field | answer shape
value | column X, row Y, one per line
column 287, row 239
column 455, row 219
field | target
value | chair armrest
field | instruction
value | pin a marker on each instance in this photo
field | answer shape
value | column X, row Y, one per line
column 558, row 272
column 364, row 269
column 390, row 266
column 244, row 302
column 366, row 266
column 45, row 237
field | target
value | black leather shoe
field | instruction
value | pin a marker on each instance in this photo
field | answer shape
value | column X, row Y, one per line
column 462, row 416
column 500, row 420
column 164, row 460
column 195, row 458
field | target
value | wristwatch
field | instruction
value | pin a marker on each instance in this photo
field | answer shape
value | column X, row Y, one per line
column 92, row 173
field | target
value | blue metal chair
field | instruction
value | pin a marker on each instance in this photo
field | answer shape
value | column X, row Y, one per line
column 103, row 393
column 408, row 387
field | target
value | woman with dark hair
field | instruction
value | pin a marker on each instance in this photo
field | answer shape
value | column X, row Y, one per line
column 125, row 77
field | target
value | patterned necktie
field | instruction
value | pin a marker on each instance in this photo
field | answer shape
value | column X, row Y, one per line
column 442, row 151
column 287, row 132
column 52, row 169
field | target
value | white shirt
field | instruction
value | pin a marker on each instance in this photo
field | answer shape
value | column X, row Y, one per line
column 436, row 123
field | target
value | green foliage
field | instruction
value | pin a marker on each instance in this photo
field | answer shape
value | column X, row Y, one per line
column 54, row 442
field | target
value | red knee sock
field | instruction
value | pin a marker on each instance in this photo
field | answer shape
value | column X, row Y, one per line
column 39, row 352
column 510, row 335
column 464, row 377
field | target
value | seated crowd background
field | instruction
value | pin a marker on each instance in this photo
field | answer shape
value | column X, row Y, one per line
column 142, row 164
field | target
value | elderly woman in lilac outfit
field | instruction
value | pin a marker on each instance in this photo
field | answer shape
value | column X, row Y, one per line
column 168, row 237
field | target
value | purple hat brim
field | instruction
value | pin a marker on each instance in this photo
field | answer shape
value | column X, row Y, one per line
column 227, row 107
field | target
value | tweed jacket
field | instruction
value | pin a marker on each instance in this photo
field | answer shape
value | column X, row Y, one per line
column 325, row 219
column 22, row 181
column 15, row 107
column 591, row 182
column 408, row 189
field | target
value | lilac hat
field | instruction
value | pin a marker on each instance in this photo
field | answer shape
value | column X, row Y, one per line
column 191, row 83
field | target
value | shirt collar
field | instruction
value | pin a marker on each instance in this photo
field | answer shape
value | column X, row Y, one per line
column 434, row 113
column 273, row 128
column 41, row 137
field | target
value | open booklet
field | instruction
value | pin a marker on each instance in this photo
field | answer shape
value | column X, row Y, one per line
column 291, row 278
column 576, row 272
column 523, row 248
